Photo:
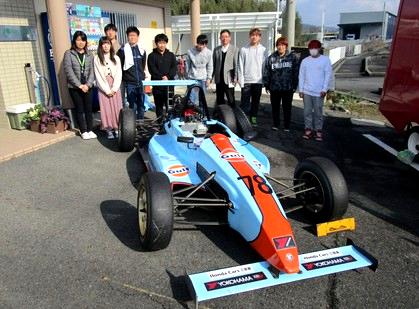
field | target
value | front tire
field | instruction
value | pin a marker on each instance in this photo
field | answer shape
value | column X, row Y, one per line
column 329, row 198
column 155, row 211
column 127, row 130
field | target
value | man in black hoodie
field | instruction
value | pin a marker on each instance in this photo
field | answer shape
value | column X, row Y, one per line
column 280, row 78
column 162, row 66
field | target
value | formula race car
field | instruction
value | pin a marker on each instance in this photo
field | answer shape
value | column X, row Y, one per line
column 195, row 161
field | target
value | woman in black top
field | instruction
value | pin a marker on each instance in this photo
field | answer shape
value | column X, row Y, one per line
column 78, row 67
column 280, row 78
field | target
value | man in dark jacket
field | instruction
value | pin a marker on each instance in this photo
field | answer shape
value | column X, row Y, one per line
column 280, row 78
column 133, row 60
column 162, row 66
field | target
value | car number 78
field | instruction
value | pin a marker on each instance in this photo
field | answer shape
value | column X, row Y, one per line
column 262, row 186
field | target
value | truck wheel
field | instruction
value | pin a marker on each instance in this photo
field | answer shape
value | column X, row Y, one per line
column 329, row 198
column 245, row 128
column 127, row 130
column 155, row 211
column 225, row 114
column 413, row 139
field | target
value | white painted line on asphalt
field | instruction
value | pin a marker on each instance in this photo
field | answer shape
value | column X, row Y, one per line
column 387, row 148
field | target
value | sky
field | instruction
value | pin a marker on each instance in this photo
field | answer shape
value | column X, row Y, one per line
column 311, row 10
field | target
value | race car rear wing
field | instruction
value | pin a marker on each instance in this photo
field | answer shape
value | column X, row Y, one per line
column 239, row 279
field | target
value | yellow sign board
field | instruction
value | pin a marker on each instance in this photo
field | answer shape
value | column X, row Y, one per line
column 326, row 228
column 153, row 24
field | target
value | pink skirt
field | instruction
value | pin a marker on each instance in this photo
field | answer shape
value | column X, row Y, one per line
column 110, row 107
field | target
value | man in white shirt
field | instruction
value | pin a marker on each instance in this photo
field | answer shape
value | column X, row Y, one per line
column 249, row 74
column 314, row 79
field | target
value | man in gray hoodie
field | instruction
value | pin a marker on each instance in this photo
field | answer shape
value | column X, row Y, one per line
column 199, row 64
column 249, row 73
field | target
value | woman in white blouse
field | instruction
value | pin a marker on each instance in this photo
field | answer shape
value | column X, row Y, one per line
column 108, row 73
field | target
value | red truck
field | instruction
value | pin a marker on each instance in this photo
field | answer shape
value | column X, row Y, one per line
column 400, row 97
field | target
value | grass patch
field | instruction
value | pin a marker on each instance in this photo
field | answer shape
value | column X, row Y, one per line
column 354, row 106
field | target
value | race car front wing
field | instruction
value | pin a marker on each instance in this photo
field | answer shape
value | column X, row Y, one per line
column 234, row 280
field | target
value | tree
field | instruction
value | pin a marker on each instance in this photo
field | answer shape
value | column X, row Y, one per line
column 181, row 7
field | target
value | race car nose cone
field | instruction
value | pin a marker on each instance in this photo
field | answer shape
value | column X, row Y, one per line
column 286, row 261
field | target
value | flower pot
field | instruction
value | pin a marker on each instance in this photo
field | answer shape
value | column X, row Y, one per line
column 53, row 128
column 34, row 126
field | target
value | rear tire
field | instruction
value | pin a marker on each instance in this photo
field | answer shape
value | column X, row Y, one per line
column 329, row 200
column 155, row 211
column 127, row 130
column 225, row 114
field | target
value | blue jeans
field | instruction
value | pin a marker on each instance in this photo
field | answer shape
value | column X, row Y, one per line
column 135, row 97
column 194, row 97
column 313, row 112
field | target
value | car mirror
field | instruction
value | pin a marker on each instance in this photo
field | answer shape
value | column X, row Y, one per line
column 185, row 139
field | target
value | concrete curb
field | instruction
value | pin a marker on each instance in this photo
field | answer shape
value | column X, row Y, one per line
column 367, row 122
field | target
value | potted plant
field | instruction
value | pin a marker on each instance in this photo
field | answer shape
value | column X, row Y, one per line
column 54, row 120
column 33, row 117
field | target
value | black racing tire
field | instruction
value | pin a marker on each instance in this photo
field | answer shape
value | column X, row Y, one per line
column 243, row 122
column 225, row 114
column 244, row 126
column 154, row 211
column 127, row 130
column 329, row 200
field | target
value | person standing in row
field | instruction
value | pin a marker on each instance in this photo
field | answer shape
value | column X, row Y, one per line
column 314, row 79
column 108, row 73
column 162, row 66
column 199, row 65
column 133, row 61
column 280, row 78
column 251, row 62
column 111, row 34
column 78, row 68
column 225, row 67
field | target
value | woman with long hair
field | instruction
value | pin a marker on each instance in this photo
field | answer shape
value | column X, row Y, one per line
column 78, row 67
column 108, row 72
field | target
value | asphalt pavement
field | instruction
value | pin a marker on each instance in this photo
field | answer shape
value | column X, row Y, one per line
column 69, row 238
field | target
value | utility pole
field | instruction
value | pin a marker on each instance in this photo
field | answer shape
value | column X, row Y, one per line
column 278, row 9
column 383, row 32
column 291, row 22
column 322, row 31
column 195, row 20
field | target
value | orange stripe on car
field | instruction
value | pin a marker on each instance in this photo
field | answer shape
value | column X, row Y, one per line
column 274, row 226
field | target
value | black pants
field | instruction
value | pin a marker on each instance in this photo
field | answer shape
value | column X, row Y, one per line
column 160, row 100
column 223, row 89
column 83, row 104
column 284, row 97
column 161, row 96
column 253, row 92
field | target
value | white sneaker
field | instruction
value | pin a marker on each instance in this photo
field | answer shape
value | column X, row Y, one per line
column 116, row 133
column 92, row 134
column 85, row 135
